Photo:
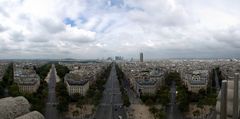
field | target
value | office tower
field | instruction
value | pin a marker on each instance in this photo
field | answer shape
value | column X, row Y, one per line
column 141, row 57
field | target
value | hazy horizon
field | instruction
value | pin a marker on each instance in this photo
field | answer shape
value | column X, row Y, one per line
column 95, row 29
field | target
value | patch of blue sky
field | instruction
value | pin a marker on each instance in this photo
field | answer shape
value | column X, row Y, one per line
column 118, row 3
column 123, row 6
column 69, row 21
column 82, row 19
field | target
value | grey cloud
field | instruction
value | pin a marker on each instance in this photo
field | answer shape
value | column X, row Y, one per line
column 3, row 12
column 74, row 36
column 230, row 37
column 25, row 19
column 2, row 28
column 52, row 26
column 159, row 28
column 162, row 15
column 7, row 49
column 17, row 36
column 39, row 38
column 3, row 47
column 78, row 39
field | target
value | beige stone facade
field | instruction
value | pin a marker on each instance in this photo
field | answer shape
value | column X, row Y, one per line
column 29, row 88
column 81, row 89
column 76, row 84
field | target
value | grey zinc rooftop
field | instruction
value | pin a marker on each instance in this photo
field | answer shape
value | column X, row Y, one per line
column 75, row 79
column 146, row 81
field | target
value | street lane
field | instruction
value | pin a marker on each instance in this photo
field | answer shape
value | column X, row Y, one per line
column 172, row 111
column 51, row 111
column 111, row 103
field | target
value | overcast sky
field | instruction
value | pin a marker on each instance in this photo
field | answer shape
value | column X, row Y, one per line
column 102, row 28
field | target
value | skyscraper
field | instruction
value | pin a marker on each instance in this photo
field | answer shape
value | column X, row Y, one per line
column 141, row 57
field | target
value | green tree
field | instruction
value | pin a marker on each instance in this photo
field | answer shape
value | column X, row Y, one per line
column 43, row 70
column 63, row 97
column 80, row 103
column 153, row 110
column 196, row 113
column 157, row 113
column 161, row 115
column 1, row 90
column 121, row 78
column 14, row 90
column 126, row 101
column 90, row 92
column 8, row 76
column 62, row 105
column 183, row 98
column 61, row 71
column 75, row 113
column 75, row 97
column 149, row 101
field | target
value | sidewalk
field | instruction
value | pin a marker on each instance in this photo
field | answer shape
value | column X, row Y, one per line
column 139, row 111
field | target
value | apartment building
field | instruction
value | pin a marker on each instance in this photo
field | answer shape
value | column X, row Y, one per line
column 76, row 84
column 26, row 78
column 196, row 80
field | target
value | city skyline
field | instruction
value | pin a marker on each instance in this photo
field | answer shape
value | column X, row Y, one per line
column 88, row 29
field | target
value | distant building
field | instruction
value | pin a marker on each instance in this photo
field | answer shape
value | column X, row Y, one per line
column 29, row 85
column 118, row 58
column 197, row 80
column 109, row 59
column 26, row 78
column 158, row 74
column 147, row 82
column 146, row 86
column 141, row 57
column 76, row 84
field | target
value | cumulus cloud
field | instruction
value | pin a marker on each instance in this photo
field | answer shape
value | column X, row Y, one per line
column 230, row 37
column 102, row 28
column 75, row 35
column 51, row 26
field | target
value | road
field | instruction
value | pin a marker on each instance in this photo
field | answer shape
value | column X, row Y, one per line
column 111, row 104
column 51, row 111
column 173, row 111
